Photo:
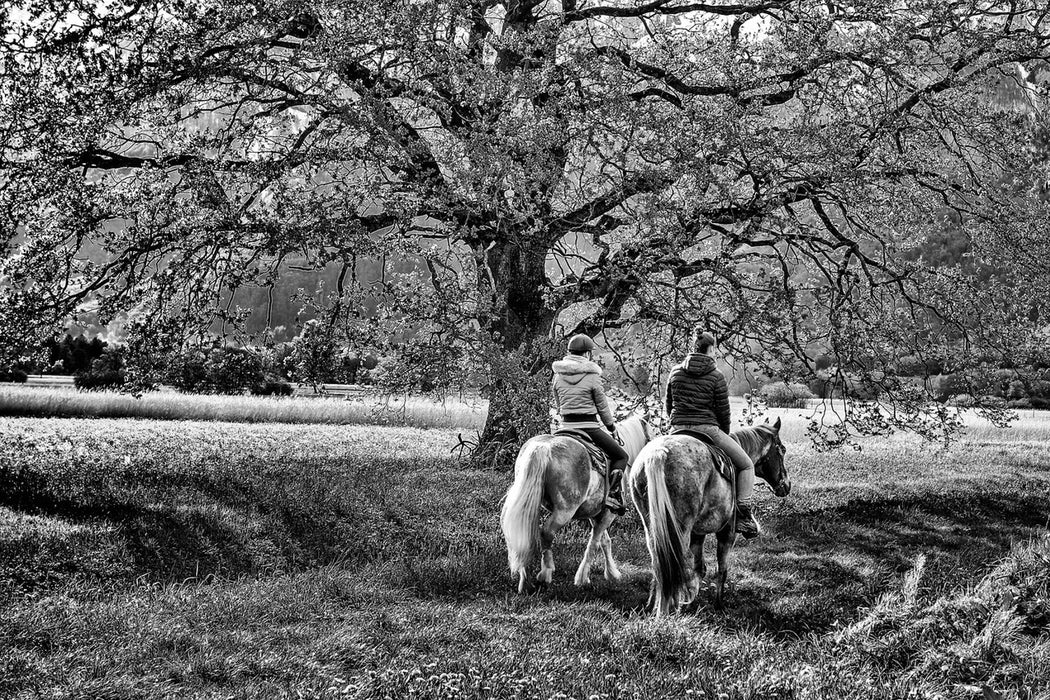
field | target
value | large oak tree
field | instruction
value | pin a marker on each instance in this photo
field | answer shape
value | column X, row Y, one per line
column 764, row 167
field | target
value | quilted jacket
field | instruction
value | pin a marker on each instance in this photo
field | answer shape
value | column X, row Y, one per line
column 577, row 388
column 697, row 393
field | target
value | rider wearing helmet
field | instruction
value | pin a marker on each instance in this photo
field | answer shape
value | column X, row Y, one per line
column 698, row 400
column 581, row 403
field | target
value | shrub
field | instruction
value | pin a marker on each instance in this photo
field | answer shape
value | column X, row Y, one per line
column 233, row 370
column 864, row 390
column 1016, row 390
column 1024, row 403
column 825, row 361
column 950, row 385
column 990, row 401
column 272, row 386
column 221, row 371
column 960, row 400
column 913, row 366
column 821, row 388
column 275, row 360
column 312, row 359
column 349, row 365
column 13, row 374
column 188, row 371
column 784, row 395
column 1039, row 388
column 107, row 372
column 73, row 354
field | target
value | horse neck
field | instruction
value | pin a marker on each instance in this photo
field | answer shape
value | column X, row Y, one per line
column 755, row 442
column 633, row 435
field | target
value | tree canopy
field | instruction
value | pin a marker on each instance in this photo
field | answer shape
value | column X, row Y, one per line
column 537, row 168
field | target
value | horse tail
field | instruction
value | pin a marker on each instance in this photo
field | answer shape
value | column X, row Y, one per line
column 520, row 517
column 665, row 536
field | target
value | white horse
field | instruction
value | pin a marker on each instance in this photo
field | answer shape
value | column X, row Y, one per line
column 555, row 472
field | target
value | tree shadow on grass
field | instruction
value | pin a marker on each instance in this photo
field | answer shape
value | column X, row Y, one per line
column 174, row 541
column 818, row 567
column 171, row 527
column 164, row 543
column 815, row 568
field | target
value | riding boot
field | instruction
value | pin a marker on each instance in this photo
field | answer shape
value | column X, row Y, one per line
column 614, row 500
column 746, row 523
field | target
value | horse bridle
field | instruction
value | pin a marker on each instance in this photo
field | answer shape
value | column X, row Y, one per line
column 764, row 462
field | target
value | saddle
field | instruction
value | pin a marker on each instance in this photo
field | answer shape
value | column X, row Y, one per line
column 723, row 464
column 599, row 460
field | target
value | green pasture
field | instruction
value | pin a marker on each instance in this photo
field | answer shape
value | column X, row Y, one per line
column 173, row 559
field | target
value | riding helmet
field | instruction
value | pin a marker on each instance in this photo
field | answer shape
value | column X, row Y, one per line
column 580, row 343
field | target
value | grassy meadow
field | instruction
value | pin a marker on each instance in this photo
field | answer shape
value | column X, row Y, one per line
column 172, row 559
column 67, row 402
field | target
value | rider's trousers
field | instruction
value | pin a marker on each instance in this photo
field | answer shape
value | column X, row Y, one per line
column 607, row 443
column 745, row 468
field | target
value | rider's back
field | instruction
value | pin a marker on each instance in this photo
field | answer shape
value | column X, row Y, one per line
column 577, row 388
column 697, row 393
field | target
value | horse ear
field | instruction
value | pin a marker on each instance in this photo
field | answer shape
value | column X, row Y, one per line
column 776, row 426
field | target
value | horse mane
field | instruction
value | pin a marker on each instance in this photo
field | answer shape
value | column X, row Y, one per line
column 755, row 440
column 632, row 432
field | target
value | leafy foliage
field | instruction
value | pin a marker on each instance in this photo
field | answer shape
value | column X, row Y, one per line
column 107, row 372
column 785, row 395
column 526, row 168
column 14, row 374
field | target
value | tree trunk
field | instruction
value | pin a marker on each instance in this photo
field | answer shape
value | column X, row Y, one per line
column 519, row 353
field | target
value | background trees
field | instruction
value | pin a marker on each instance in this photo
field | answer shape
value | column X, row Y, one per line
column 525, row 170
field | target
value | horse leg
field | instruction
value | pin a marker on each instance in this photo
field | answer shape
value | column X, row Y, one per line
column 692, row 580
column 583, row 572
column 548, row 530
column 612, row 571
column 600, row 535
column 698, row 554
column 725, row 545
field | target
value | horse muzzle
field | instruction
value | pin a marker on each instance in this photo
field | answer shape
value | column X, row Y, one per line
column 782, row 489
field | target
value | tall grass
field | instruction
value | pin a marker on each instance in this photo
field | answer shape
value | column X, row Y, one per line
column 403, row 411
column 411, row 411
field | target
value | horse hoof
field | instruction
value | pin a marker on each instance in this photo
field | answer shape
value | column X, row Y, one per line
column 613, row 575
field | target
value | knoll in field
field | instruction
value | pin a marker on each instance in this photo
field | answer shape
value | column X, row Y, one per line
column 175, row 559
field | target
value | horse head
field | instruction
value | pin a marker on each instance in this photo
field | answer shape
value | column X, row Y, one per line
column 770, row 464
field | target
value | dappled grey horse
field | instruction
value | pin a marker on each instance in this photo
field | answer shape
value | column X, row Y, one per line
column 555, row 471
column 682, row 497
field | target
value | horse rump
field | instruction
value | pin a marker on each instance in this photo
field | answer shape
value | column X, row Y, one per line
column 665, row 540
column 520, row 516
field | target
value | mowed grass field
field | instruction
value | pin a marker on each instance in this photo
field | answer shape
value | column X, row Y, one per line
column 151, row 559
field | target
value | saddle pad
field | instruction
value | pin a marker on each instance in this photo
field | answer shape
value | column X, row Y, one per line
column 722, row 462
column 599, row 460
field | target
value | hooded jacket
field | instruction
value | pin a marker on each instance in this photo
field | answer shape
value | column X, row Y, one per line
column 697, row 393
column 577, row 388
